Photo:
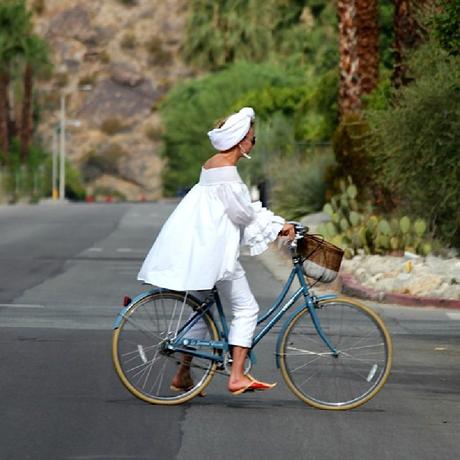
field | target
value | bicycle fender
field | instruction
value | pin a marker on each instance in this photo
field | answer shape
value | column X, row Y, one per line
column 122, row 312
column 286, row 324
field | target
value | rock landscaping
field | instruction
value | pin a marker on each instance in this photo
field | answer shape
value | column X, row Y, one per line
column 430, row 276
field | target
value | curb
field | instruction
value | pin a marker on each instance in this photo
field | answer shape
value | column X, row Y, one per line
column 350, row 286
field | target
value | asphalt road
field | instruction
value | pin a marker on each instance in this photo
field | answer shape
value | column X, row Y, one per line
column 63, row 272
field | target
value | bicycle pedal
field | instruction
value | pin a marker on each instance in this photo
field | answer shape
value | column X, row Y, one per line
column 126, row 301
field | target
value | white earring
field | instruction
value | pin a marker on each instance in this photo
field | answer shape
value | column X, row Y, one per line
column 244, row 153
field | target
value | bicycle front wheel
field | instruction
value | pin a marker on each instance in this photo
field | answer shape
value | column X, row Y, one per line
column 142, row 359
column 339, row 381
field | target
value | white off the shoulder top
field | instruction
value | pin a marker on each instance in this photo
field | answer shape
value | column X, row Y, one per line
column 199, row 243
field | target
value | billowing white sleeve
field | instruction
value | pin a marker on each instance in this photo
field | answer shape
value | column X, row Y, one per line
column 262, row 230
column 260, row 226
column 237, row 203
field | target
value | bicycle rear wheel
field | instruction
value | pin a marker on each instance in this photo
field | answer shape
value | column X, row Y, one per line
column 139, row 348
column 348, row 379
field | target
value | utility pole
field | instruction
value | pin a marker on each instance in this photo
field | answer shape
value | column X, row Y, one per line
column 54, row 150
column 62, row 123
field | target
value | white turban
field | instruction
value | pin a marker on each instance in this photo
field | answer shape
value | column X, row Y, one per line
column 233, row 130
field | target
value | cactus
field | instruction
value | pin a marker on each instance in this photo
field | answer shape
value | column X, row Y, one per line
column 404, row 224
column 336, row 218
column 354, row 205
column 394, row 224
column 344, row 225
column 353, row 227
column 327, row 208
column 420, row 227
column 330, row 229
column 352, row 191
column 425, row 249
column 355, row 218
column 384, row 241
column 384, row 227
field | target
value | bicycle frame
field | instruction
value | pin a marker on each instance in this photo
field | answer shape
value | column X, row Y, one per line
column 278, row 309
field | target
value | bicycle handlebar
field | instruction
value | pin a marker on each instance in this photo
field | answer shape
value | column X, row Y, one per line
column 300, row 232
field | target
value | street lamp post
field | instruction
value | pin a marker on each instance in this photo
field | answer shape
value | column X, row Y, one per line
column 54, row 150
column 63, row 122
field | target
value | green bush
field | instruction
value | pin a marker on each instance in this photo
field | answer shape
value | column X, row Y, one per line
column 32, row 181
column 299, row 185
column 192, row 108
column 311, row 106
column 416, row 143
column 446, row 26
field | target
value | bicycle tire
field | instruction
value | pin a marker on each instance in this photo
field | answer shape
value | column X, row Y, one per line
column 363, row 363
column 138, row 345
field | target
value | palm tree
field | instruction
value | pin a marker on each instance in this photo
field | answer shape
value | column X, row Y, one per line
column 350, row 80
column 359, row 51
column 368, row 44
column 15, row 24
column 407, row 35
column 36, row 63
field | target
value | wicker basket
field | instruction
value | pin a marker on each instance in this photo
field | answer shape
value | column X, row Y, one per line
column 321, row 259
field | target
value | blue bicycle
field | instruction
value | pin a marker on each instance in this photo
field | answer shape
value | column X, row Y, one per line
column 333, row 352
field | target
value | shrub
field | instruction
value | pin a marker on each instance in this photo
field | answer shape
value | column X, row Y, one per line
column 128, row 41
column 153, row 133
column 105, row 161
column 112, row 126
column 61, row 79
column 38, row 7
column 299, row 185
column 191, row 109
column 104, row 57
column 88, row 79
column 128, row 3
column 102, row 193
column 157, row 54
column 416, row 148
column 446, row 26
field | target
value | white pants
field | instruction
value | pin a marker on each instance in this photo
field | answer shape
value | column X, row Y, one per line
column 244, row 307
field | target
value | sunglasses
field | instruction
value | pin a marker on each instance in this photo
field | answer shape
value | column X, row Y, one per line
column 253, row 140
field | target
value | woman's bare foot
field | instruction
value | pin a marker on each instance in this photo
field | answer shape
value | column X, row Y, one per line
column 182, row 380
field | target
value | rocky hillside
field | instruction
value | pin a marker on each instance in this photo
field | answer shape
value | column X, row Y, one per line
column 114, row 59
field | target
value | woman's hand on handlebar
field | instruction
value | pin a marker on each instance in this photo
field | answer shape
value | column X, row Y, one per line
column 288, row 230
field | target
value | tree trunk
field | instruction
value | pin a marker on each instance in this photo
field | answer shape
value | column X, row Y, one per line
column 350, row 82
column 26, row 118
column 368, row 44
column 407, row 36
column 4, row 135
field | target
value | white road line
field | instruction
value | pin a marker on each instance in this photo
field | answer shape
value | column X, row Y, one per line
column 139, row 251
column 453, row 315
column 95, row 249
column 21, row 305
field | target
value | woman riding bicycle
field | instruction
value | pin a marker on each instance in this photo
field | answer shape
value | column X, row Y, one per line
column 198, row 246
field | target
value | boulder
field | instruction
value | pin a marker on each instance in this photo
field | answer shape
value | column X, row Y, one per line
column 125, row 74
column 73, row 23
column 112, row 99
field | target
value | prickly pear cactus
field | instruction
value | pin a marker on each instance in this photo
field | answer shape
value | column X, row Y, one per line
column 354, row 228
